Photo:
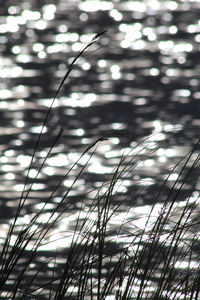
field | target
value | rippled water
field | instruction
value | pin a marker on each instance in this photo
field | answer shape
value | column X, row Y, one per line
column 139, row 81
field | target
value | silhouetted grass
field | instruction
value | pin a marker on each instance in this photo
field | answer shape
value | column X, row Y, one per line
column 113, row 253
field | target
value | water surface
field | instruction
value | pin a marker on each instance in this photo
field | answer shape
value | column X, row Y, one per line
column 140, row 81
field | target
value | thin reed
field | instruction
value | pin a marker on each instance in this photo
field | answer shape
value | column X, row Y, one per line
column 111, row 253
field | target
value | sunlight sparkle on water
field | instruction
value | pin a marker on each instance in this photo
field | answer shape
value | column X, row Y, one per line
column 138, row 45
column 68, row 183
column 94, row 5
column 80, row 131
column 115, row 71
column 18, row 187
column 23, row 160
column 137, row 6
column 157, row 137
column 172, row 177
column 48, row 171
column 86, row 66
column 63, row 28
column 57, row 47
column 10, row 153
column 81, row 100
column 173, row 127
column 31, row 15
column 19, row 123
column 13, row 9
column 49, row 11
column 147, row 181
column 37, row 129
column 37, row 47
column 24, row 58
column 97, row 167
column 186, row 264
column 40, row 24
column 67, row 37
column 6, row 168
column 132, row 36
column 116, row 15
column 102, row 63
column 32, row 173
column 173, row 29
column 113, row 153
column 42, row 54
column 3, row 104
column 166, row 152
column 58, row 160
column 10, row 72
column 5, row 94
column 149, row 162
column 38, row 186
column 41, row 205
column 9, row 176
column 154, row 72
column 11, row 25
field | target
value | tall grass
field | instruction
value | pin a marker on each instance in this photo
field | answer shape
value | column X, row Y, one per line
column 112, row 252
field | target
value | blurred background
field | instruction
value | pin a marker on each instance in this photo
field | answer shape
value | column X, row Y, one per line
column 139, row 82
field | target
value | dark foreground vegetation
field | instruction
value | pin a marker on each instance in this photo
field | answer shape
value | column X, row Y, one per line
column 158, row 260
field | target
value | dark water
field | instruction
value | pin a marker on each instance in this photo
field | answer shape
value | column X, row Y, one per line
column 139, row 81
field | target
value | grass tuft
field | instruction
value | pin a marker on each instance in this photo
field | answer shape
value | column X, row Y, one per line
column 112, row 251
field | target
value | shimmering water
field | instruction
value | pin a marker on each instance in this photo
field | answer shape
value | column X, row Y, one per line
column 139, row 81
